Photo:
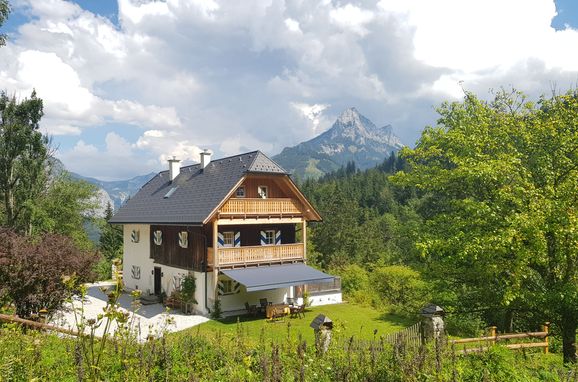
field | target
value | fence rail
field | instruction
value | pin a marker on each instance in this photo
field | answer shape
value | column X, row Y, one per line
column 36, row 325
column 485, row 342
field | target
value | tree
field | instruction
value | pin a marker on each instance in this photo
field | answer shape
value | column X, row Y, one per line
column 31, row 271
column 4, row 12
column 499, row 189
column 23, row 157
column 63, row 207
column 110, row 237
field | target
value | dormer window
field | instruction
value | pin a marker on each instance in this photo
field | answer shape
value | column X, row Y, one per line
column 263, row 192
column 240, row 192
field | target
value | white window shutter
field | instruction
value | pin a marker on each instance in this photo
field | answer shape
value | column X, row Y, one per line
column 278, row 237
column 263, row 238
column 221, row 240
column 237, row 239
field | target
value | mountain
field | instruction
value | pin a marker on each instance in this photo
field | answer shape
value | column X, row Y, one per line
column 352, row 137
column 117, row 191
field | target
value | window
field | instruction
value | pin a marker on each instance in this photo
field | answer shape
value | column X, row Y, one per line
column 227, row 286
column 269, row 237
column 135, row 272
column 228, row 239
column 183, row 239
column 134, row 236
column 263, row 192
column 158, row 237
column 240, row 192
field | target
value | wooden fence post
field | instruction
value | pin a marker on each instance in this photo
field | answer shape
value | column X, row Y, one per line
column 545, row 329
column 492, row 334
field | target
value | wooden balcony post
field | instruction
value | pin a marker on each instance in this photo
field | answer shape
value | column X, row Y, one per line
column 304, row 229
column 215, row 256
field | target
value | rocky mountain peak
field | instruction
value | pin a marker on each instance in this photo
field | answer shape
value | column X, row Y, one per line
column 353, row 137
column 349, row 116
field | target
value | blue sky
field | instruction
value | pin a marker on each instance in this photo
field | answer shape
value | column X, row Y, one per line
column 129, row 83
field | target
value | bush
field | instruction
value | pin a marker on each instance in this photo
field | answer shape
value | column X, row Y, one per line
column 103, row 269
column 31, row 271
column 401, row 288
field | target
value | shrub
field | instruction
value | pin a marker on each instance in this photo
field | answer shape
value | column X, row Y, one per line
column 31, row 271
column 401, row 287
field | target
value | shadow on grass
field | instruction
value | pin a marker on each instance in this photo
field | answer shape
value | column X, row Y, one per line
column 395, row 319
column 250, row 318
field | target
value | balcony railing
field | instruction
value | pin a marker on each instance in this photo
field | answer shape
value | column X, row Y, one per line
column 257, row 206
column 258, row 254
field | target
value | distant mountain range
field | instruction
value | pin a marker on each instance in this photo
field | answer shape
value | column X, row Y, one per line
column 118, row 191
column 352, row 137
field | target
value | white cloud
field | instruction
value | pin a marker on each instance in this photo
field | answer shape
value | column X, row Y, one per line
column 351, row 17
column 235, row 76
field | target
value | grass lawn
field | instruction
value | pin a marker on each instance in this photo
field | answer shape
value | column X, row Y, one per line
column 348, row 320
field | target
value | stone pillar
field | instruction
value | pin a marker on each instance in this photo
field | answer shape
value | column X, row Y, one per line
column 432, row 322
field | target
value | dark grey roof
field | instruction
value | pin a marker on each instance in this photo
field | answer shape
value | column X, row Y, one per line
column 196, row 192
column 277, row 276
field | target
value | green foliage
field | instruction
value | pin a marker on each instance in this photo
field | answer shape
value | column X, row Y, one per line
column 401, row 287
column 216, row 312
column 111, row 237
column 4, row 12
column 103, row 269
column 64, row 208
column 23, row 157
column 188, row 288
column 498, row 183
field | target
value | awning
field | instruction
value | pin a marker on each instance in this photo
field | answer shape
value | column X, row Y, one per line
column 277, row 276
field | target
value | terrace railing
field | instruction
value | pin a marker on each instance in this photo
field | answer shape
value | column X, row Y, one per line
column 257, row 254
column 261, row 207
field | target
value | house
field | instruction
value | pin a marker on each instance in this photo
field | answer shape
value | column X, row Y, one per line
column 238, row 224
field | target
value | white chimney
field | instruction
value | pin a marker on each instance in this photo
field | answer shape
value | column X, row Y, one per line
column 205, row 158
column 174, row 168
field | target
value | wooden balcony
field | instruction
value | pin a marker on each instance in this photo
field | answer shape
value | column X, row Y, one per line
column 261, row 207
column 232, row 256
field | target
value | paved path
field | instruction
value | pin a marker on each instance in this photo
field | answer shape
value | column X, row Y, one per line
column 149, row 319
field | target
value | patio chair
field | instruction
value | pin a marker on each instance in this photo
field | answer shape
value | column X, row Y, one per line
column 251, row 309
column 263, row 302
column 298, row 311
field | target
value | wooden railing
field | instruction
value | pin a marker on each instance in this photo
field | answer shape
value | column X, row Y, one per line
column 256, row 206
column 257, row 254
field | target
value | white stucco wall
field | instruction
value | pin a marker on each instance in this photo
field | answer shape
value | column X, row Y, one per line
column 325, row 298
column 137, row 254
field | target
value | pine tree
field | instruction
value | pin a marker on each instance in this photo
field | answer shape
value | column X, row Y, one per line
column 111, row 237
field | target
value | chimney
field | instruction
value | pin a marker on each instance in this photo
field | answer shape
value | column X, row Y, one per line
column 205, row 158
column 174, row 168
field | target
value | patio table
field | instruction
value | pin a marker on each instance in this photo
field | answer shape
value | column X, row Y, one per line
column 271, row 308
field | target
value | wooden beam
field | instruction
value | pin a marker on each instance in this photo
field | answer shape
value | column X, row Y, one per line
column 248, row 220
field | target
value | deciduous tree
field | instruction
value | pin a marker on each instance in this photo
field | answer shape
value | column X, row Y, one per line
column 23, row 157
column 499, row 182
column 31, row 271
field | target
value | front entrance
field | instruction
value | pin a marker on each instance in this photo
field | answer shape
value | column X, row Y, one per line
column 157, row 277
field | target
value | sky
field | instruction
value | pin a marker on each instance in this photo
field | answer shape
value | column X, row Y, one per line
column 127, row 84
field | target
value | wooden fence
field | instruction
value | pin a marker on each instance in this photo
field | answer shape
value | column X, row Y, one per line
column 36, row 325
column 484, row 343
